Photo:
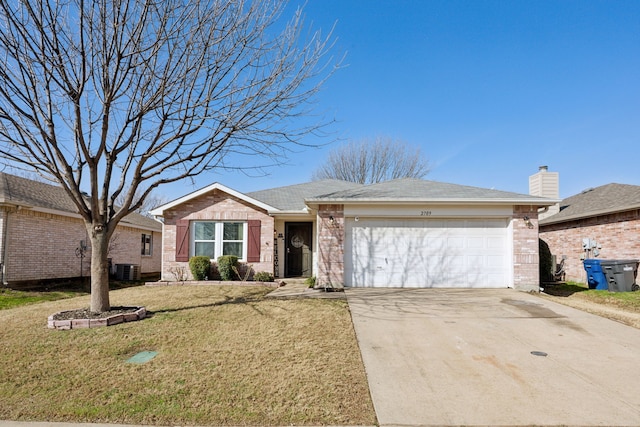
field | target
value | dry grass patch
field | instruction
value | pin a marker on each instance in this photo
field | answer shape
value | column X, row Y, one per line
column 623, row 307
column 226, row 356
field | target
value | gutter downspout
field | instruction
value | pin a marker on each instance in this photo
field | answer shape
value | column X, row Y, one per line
column 5, row 239
column 544, row 209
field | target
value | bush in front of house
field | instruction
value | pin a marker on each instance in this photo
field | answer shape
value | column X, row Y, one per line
column 263, row 276
column 310, row 281
column 200, row 266
column 243, row 271
column 226, row 263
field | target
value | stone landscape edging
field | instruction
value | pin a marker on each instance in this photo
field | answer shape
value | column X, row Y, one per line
column 139, row 314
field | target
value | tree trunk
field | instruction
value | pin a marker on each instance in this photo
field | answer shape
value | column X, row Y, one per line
column 99, row 272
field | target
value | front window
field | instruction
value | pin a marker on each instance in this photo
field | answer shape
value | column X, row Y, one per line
column 214, row 239
column 233, row 239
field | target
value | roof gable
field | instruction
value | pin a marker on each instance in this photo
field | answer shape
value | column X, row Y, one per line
column 215, row 186
column 601, row 200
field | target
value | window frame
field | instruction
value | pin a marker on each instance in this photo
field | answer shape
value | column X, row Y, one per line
column 219, row 240
column 143, row 247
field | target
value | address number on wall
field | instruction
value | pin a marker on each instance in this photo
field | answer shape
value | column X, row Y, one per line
column 425, row 213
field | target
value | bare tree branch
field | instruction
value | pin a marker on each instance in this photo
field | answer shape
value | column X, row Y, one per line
column 370, row 161
column 118, row 97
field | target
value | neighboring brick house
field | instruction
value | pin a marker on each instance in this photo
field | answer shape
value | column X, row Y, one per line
column 400, row 233
column 602, row 222
column 40, row 232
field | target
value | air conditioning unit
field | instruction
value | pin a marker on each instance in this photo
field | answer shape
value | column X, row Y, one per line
column 127, row 272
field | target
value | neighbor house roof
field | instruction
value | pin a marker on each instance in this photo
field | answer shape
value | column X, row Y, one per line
column 40, row 196
column 411, row 190
column 601, row 200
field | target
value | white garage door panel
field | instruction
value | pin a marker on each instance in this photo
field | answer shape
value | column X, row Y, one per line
column 427, row 253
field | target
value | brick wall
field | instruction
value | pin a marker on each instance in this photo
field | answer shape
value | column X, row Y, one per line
column 526, row 273
column 43, row 246
column 126, row 248
column 215, row 206
column 330, row 246
column 618, row 235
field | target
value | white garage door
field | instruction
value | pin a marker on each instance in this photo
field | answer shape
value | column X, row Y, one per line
column 427, row 253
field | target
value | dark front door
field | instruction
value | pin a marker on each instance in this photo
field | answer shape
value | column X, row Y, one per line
column 298, row 249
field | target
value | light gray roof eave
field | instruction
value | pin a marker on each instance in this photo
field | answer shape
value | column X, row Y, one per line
column 291, row 212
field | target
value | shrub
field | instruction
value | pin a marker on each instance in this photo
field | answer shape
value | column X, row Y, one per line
column 310, row 281
column 263, row 276
column 199, row 266
column 225, row 266
column 243, row 271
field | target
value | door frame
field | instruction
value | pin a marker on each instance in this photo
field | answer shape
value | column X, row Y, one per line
column 287, row 239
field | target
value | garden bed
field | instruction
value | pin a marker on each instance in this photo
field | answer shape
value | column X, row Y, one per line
column 85, row 318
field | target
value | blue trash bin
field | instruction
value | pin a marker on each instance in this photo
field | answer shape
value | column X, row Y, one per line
column 596, row 278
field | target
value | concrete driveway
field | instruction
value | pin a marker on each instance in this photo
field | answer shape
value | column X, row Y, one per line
column 493, row 357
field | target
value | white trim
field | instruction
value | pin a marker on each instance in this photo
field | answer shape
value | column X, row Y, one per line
column 420, row 200
column 159, row 211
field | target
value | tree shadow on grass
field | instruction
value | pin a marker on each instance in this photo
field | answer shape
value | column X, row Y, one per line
column 245, row 300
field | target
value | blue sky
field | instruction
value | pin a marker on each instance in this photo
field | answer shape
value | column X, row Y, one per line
column 489, row 90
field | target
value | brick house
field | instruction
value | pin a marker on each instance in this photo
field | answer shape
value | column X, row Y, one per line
column 41, row 231
column 400, row 233
column 602, row 221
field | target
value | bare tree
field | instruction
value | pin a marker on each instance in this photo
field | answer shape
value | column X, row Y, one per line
column 152, row 200
column 370, row 161
column 117, row 97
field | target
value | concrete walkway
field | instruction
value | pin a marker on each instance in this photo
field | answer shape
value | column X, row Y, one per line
column 493, row 358
column 296, row 288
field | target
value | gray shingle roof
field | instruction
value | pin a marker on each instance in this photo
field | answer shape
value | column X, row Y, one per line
column 292, row 197
column 601, row 200
column 15, row 190
column 412, row 189
column 29, row 193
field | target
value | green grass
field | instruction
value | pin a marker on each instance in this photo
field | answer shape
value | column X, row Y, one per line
column 53, row 291
column 629, row 301
column 11, row 299
column 227, row 355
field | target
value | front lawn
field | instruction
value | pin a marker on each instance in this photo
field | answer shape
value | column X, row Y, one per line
column 226, row 356
column 10, row 298
column 629, row 301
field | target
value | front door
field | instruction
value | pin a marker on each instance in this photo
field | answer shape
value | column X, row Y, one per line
column 298, row 257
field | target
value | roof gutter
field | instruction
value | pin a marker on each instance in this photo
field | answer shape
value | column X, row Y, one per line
column 414, row 201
